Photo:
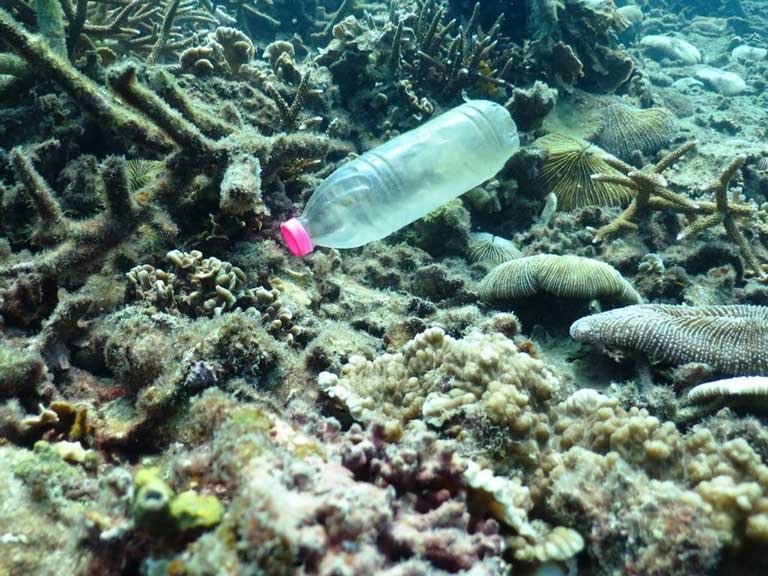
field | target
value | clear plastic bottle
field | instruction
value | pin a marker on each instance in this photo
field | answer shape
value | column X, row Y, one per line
column 404, row 179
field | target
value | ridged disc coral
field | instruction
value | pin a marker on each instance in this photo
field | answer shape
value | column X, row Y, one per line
column 491, row 249
column 562, row 276
column 626, row 129
column 568, row 171
column 751, row 388
column 732, row 339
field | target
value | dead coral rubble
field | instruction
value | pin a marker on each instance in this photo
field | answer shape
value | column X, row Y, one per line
column 205, row 159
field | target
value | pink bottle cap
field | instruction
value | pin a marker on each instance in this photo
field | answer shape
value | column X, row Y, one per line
column 296, row 237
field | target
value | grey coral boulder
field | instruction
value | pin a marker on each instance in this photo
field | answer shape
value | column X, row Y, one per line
column 731, row 339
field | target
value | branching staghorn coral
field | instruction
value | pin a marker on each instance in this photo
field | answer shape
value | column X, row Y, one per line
column 136, row 27
column 652, row 193
column 731, row 339
column 82, row 245
column 213, row 158
column 438, row 57
column 205, row 161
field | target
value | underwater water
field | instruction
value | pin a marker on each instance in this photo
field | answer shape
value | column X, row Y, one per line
column 367, row 287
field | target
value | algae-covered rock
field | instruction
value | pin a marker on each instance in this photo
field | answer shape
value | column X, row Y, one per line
column 444, row 231
column 20, row 371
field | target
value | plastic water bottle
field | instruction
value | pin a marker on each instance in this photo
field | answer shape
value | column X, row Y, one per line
column 404, row 179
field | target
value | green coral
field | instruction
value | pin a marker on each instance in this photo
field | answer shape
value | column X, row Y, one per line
column 152, row 499
column 191, row 511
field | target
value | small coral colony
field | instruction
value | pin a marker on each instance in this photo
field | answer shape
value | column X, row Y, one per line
column 558, row 369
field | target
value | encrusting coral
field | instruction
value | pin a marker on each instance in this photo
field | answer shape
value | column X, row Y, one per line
column 731, row 339
column 210, row 287
column 403, row 504
column 226, row 51
column 562, row 276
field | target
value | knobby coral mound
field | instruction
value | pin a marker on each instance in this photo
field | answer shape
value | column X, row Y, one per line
column 568, row 171
column 731, row 339
column 485, row 372
column 562, row 276
column 655, row 475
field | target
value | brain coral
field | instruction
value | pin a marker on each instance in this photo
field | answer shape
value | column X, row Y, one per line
column 731, row 339
column 563, row 276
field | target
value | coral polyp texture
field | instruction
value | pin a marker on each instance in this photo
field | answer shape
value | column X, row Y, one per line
column 486, row 373
column 561, row 276
column 626, row 129
column 731, row 339
column 751, row 388
column 181, row 395
column 568, row 171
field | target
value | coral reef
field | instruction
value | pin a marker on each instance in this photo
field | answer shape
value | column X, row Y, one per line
column 179, row 395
